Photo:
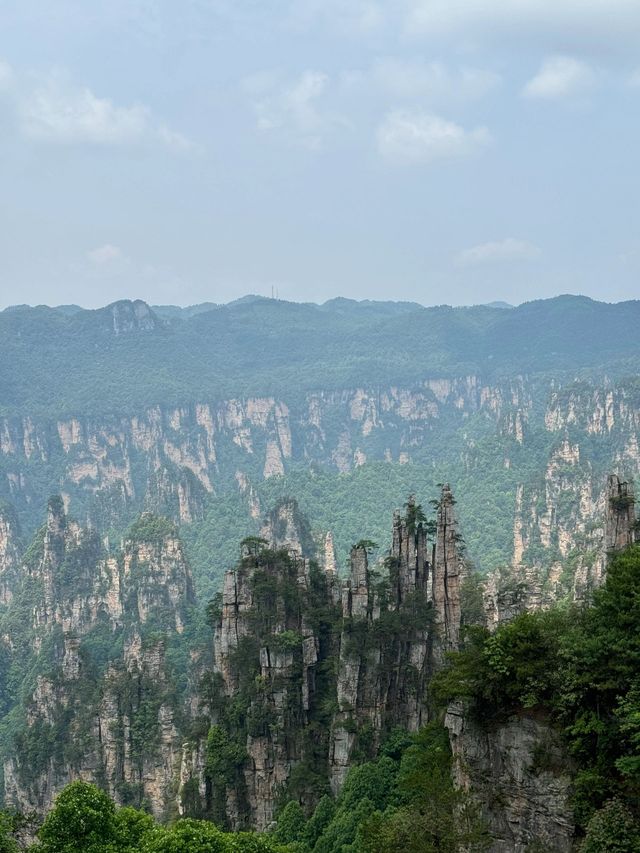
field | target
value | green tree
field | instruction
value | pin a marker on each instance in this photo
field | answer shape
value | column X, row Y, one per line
column 612, row 829
column 82, row 819
column 132, row 828
column 433, row 815
column 8, row 843
column 188, row 836
column 291, row 823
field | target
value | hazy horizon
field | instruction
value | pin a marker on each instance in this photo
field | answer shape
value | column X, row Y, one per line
column 250, row 296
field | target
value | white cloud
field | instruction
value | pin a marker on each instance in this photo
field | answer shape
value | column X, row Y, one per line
column 418, row 137
column 634, row 79
column 592, row 23
column 54, row 110
column 431, row 81
column 560, row 77
column 294, row 108
column 508, row 249
column 106, row 254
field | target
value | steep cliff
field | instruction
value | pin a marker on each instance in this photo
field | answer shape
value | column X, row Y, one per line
column 514, row 589
column 102, row 701
column 10, row 550
column 518, row 771
column 516, row 766
column 545, row 447
column 314, row 673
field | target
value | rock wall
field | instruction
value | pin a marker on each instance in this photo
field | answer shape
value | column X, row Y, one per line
column 519, row 774
column 283, row 618
column 546, row 444
column 512, row 590
column 10, row 550
column 101, row 702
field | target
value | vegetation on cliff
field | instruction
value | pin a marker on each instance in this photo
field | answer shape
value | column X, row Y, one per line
column 580, row 666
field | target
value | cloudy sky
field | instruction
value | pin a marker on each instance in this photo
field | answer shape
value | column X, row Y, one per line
column 456, row 151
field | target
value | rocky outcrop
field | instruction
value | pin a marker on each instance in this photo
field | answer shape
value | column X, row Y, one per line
column 266, row 651
column 448, row 571
column 620, row 519
column 129, row 316
column 519, row 774
column 286, row 527
column 104, row 706
column 10, row 550
column 547, row 445
column 283, row 618
column 608, row 525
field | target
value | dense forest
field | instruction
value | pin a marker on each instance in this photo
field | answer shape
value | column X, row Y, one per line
column 62, row 363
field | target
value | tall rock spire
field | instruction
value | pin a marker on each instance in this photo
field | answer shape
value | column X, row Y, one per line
column 9, row 552
column 447, row 576
column 620, row 515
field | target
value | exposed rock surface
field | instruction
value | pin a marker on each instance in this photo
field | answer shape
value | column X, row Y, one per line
column 10, row 549
column 512, row 590
column 103, row 706
column 285, row 616
column 519, row 774
column 170, row 458
column 307, row 673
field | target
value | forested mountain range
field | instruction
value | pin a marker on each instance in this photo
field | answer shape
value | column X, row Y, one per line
column 128, row 355
column 221, row 602
column 210, row 414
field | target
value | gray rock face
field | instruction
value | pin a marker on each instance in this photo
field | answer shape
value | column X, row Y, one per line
column 620, row 518
column 512, row 590
column 518, row 773
column 263, row 625
column 385, row 642
column 9, row 553
column 117, row 727
column 132, row 316
column 286, row 527
column 448, row 571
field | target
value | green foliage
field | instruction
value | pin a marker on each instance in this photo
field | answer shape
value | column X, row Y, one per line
column 367, row 545
column 132, row 828
column 432, row 815
column 612, row 829
column 83, row 818
column 286, row 641
column 8, row 843
column 151, row 528
column 404, row 800
column 223, row 756
column 581, row 667
column 291, row 824
column 414, row 515
column 187, row 836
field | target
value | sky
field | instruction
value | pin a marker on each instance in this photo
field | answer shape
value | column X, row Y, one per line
column 441, row 151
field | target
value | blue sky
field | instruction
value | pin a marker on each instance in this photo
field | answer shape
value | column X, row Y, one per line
column 455, row 151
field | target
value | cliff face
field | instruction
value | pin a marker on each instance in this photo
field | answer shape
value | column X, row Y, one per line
column 306, row 675
column 545, row 446
column 10, row 549
column 512, row 590
column 518, row 772
column 283, row 619
column 102, row 703
column 517, row 769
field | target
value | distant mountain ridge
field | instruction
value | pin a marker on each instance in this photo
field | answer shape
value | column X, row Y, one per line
column 63, row 362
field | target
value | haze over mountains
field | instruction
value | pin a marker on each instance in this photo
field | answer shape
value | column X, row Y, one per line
column 54, row 360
